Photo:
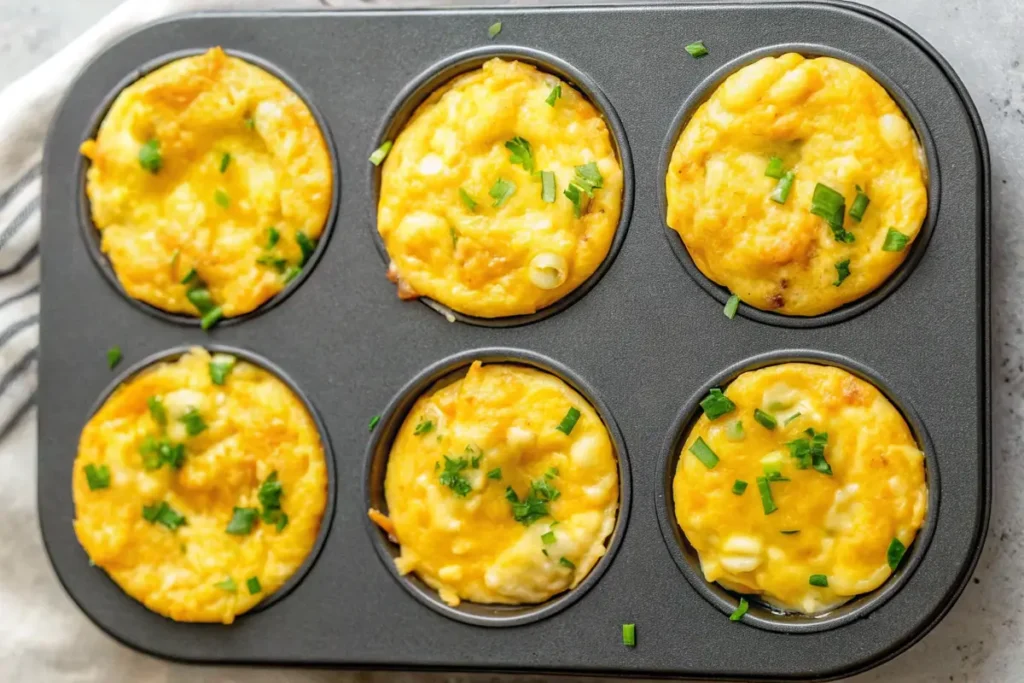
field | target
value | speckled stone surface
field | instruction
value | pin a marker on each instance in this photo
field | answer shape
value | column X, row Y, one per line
column 982, row 638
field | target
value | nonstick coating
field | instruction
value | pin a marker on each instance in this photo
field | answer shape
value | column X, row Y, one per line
column 646, row 337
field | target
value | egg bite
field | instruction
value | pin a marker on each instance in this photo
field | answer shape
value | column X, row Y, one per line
column 801, row 484
column 501, row 195
column 210, row 183
column 200, row 486
column 799, row 185
column 502, row 487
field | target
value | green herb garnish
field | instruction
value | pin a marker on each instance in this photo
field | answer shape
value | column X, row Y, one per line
column 157, row 410
column 501, row 191
column 842, row 272
column 578, row 198
column 789, row 532
column 566, row 562
column 781, row 192
column 548, row 191
column 495, row 474
column 191, row 276
column 253, row 584
column 831, row 206
column 521, row 153
column 860, row 205
column 734, row 430
column 791, row 418
column 193, row 421
column 273, row 236
column 819, row 580
column 113, row 356
column 452, row 476
column 211, row 317
column 740, row 610
column 569, row 421
column 149, row 156
column 163, row 514
column 629, row 635
column 225, row 159
column 381, row 153
column 895, row 241
column 467, row 200
column 764, row 419
column 221, row 366
column 697, row 49
column 222, row 199
column 554, row 95
column 717, row 404
column 767, row 502
column 97, row 477
column 739, row 486
column 227, row 584
column 731, row 306
column 242, row 520
column 704, row 453
column 306, row 245
column 269, row 495
column 373, row 422
column 276, row 262
column 494, row 29
column 894, row 555
column 424, row 426
column 548, row 538
column 775, row 169
column 535, row 505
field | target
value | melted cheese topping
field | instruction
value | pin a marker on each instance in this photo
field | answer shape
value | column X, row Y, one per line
column 470, row 547
column 846, row 521
column 156, row 227
column 830, row 123
column 255, row 426
column 526, row 254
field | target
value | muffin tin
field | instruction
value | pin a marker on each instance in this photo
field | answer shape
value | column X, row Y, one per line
column 641, row 339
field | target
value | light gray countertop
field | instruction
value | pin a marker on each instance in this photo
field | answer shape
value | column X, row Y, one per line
column 982, row 638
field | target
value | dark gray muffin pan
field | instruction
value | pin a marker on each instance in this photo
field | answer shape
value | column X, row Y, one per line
column 642, row 340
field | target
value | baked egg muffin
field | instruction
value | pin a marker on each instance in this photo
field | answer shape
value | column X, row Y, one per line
column 501, row 487
column 200, row 486
column 502, row 193
column 799, row 185
column 210, row 183
column 801, row 484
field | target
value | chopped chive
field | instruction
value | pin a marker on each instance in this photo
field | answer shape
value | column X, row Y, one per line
column 781, row 192
column 201, row 299
column 588, row 178
column 242, row 520
column 731, row 306
column 291, row 274
column 250, row 122
column 306, row 245
column 578, row 198
column 566, row 562
column 629, row 635
column 275, row 262
column 548, row 538
column 113, row 356
column 211, row 317
column 494, row 474
column 253, row 584
column 819, row 580
column 191, row 276
column 894, row 555
column 789, row 532
column 149, row 156
column 739, row 486
column 774, row 169
column 227, row 584
column 467, row 200
column 734, row 430
column 547, row 186
column 740, row 610
column 175, row 257
column 381, row 153
column 766, row 496
column 791, row 418
column 697, row 49
column 551, row 473
column 273, row 236
column 452, row 476
column 164, row 515
column 501, row 191
column 222, row 199
column 842, row 272
column 568, row 422
column 830, row 205
column 373, row 422
column 860, row 205
column 704, row 453
column 221, row 366
column 717, row 404
column 895, row 241
column 157, row 410
column 193, row 421
column 225, row 159
column 494, row 29
column 773, row 472
column 522, row 154
column 764, row 419
column 97, row 477
column 554, row 95
column 269, row 495
column 424, row 426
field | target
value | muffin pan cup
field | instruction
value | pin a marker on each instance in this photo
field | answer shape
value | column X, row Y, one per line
column 644, row 340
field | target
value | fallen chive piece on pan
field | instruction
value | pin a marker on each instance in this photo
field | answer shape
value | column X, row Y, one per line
column 97, row 477
column 211, row 317
column 494, row 29
column 704, row 453
column 819, row 580
column 629, row 635
column 764, row 419
column 739, row 486
column 766, row 495
column 566, row 562
column 842, row 272
column 225, row 159
column 697, row 49
column 740, row 610
column 860, row 205
column 717, row 404
column 572, row 416
column 222, row 199
column 157, row 410
column 781, row 192
column 149, row 156
column 547, row 186
column 548, row 538
column 113, row 356
column 895, row 553
column 242, row 520
column 554, row 95
column 895, row 241
column 774, row 169
column 227, row 584
column 381, row 153
column 501, row 191
column 373, row 422
column 467, row 200
column 494, row 474
column 731, row 306
column 221, row 366
column 253, row 584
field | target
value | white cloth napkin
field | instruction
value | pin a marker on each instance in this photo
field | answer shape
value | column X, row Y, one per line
column 44, row 638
